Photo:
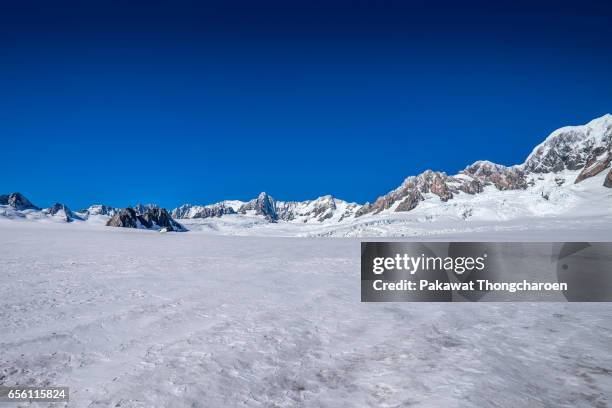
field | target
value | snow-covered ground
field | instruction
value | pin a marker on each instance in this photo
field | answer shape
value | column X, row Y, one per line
column 134, row 318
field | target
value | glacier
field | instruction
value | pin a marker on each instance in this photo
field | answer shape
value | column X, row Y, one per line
column 134, row 318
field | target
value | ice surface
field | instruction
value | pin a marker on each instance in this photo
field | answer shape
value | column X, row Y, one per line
column 133, row 318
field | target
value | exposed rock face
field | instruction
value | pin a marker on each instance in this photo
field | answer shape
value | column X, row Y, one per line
column 159, row 217
column 585, row 147
column 99, row 209
column 570, row 147
column 598, row 161
column 411, row 201
column 321, row 209
column 471, row 187
column 434, row 182
column 608, row 180
column 143, row 209
column 502, row 177
column 125, row 218
column 17, row 201
column 202, row 211
column 62, row 212
column 262, row 205
column 153, row 218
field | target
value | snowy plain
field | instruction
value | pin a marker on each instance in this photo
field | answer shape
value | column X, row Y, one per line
column 135, row 318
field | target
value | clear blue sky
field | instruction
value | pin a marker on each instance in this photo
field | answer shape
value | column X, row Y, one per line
column 174, row 102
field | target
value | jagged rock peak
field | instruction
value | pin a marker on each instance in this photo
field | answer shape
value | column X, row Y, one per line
column 17, row 201
column 411, row 201
column 125, row 218
column 152, row 218
column 571, row 147
column 61, row 211
column 319, row 209
column 143, row 208
column 160, row 218
column 264, row 205
column 202, row 211
column 99, row 209
column 502, row 177
column 410, row 192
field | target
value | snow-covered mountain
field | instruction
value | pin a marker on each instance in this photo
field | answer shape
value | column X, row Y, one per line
column 586, row 148
column 17, row 201
column 325, row 208
column 573, row 147
column 61, row 212
column 203, row 211
column 567, row 174
column 98, row 209
column 144, row 208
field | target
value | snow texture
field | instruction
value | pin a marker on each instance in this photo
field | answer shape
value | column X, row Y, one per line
column 134, row 318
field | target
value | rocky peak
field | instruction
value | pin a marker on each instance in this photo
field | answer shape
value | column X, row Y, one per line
column 571, row 147
column 99, row 209
column 434, row 182
column 411, row 191
column 160, row 218
column 502, row 177
column 411, row 201
column 61, row 211
column 262, row 205
column 323, row 207
column 144, row 208
column 152, row 218
column 17, row 201
column 202, row 211
column 125, row 218
column 319, row 209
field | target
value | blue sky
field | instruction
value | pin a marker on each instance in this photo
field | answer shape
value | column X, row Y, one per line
column 174, row 102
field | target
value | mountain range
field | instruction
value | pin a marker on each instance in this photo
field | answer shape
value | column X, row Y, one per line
column 567, row 157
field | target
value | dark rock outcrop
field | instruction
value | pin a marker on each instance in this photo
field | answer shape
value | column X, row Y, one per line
column 410, row 202
column 17, row 201
column 262, row 205
column 608, row 180
column 598, row 161
column 62, row 211
column 125, row 218
column 159, row 217
column 152, row 218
